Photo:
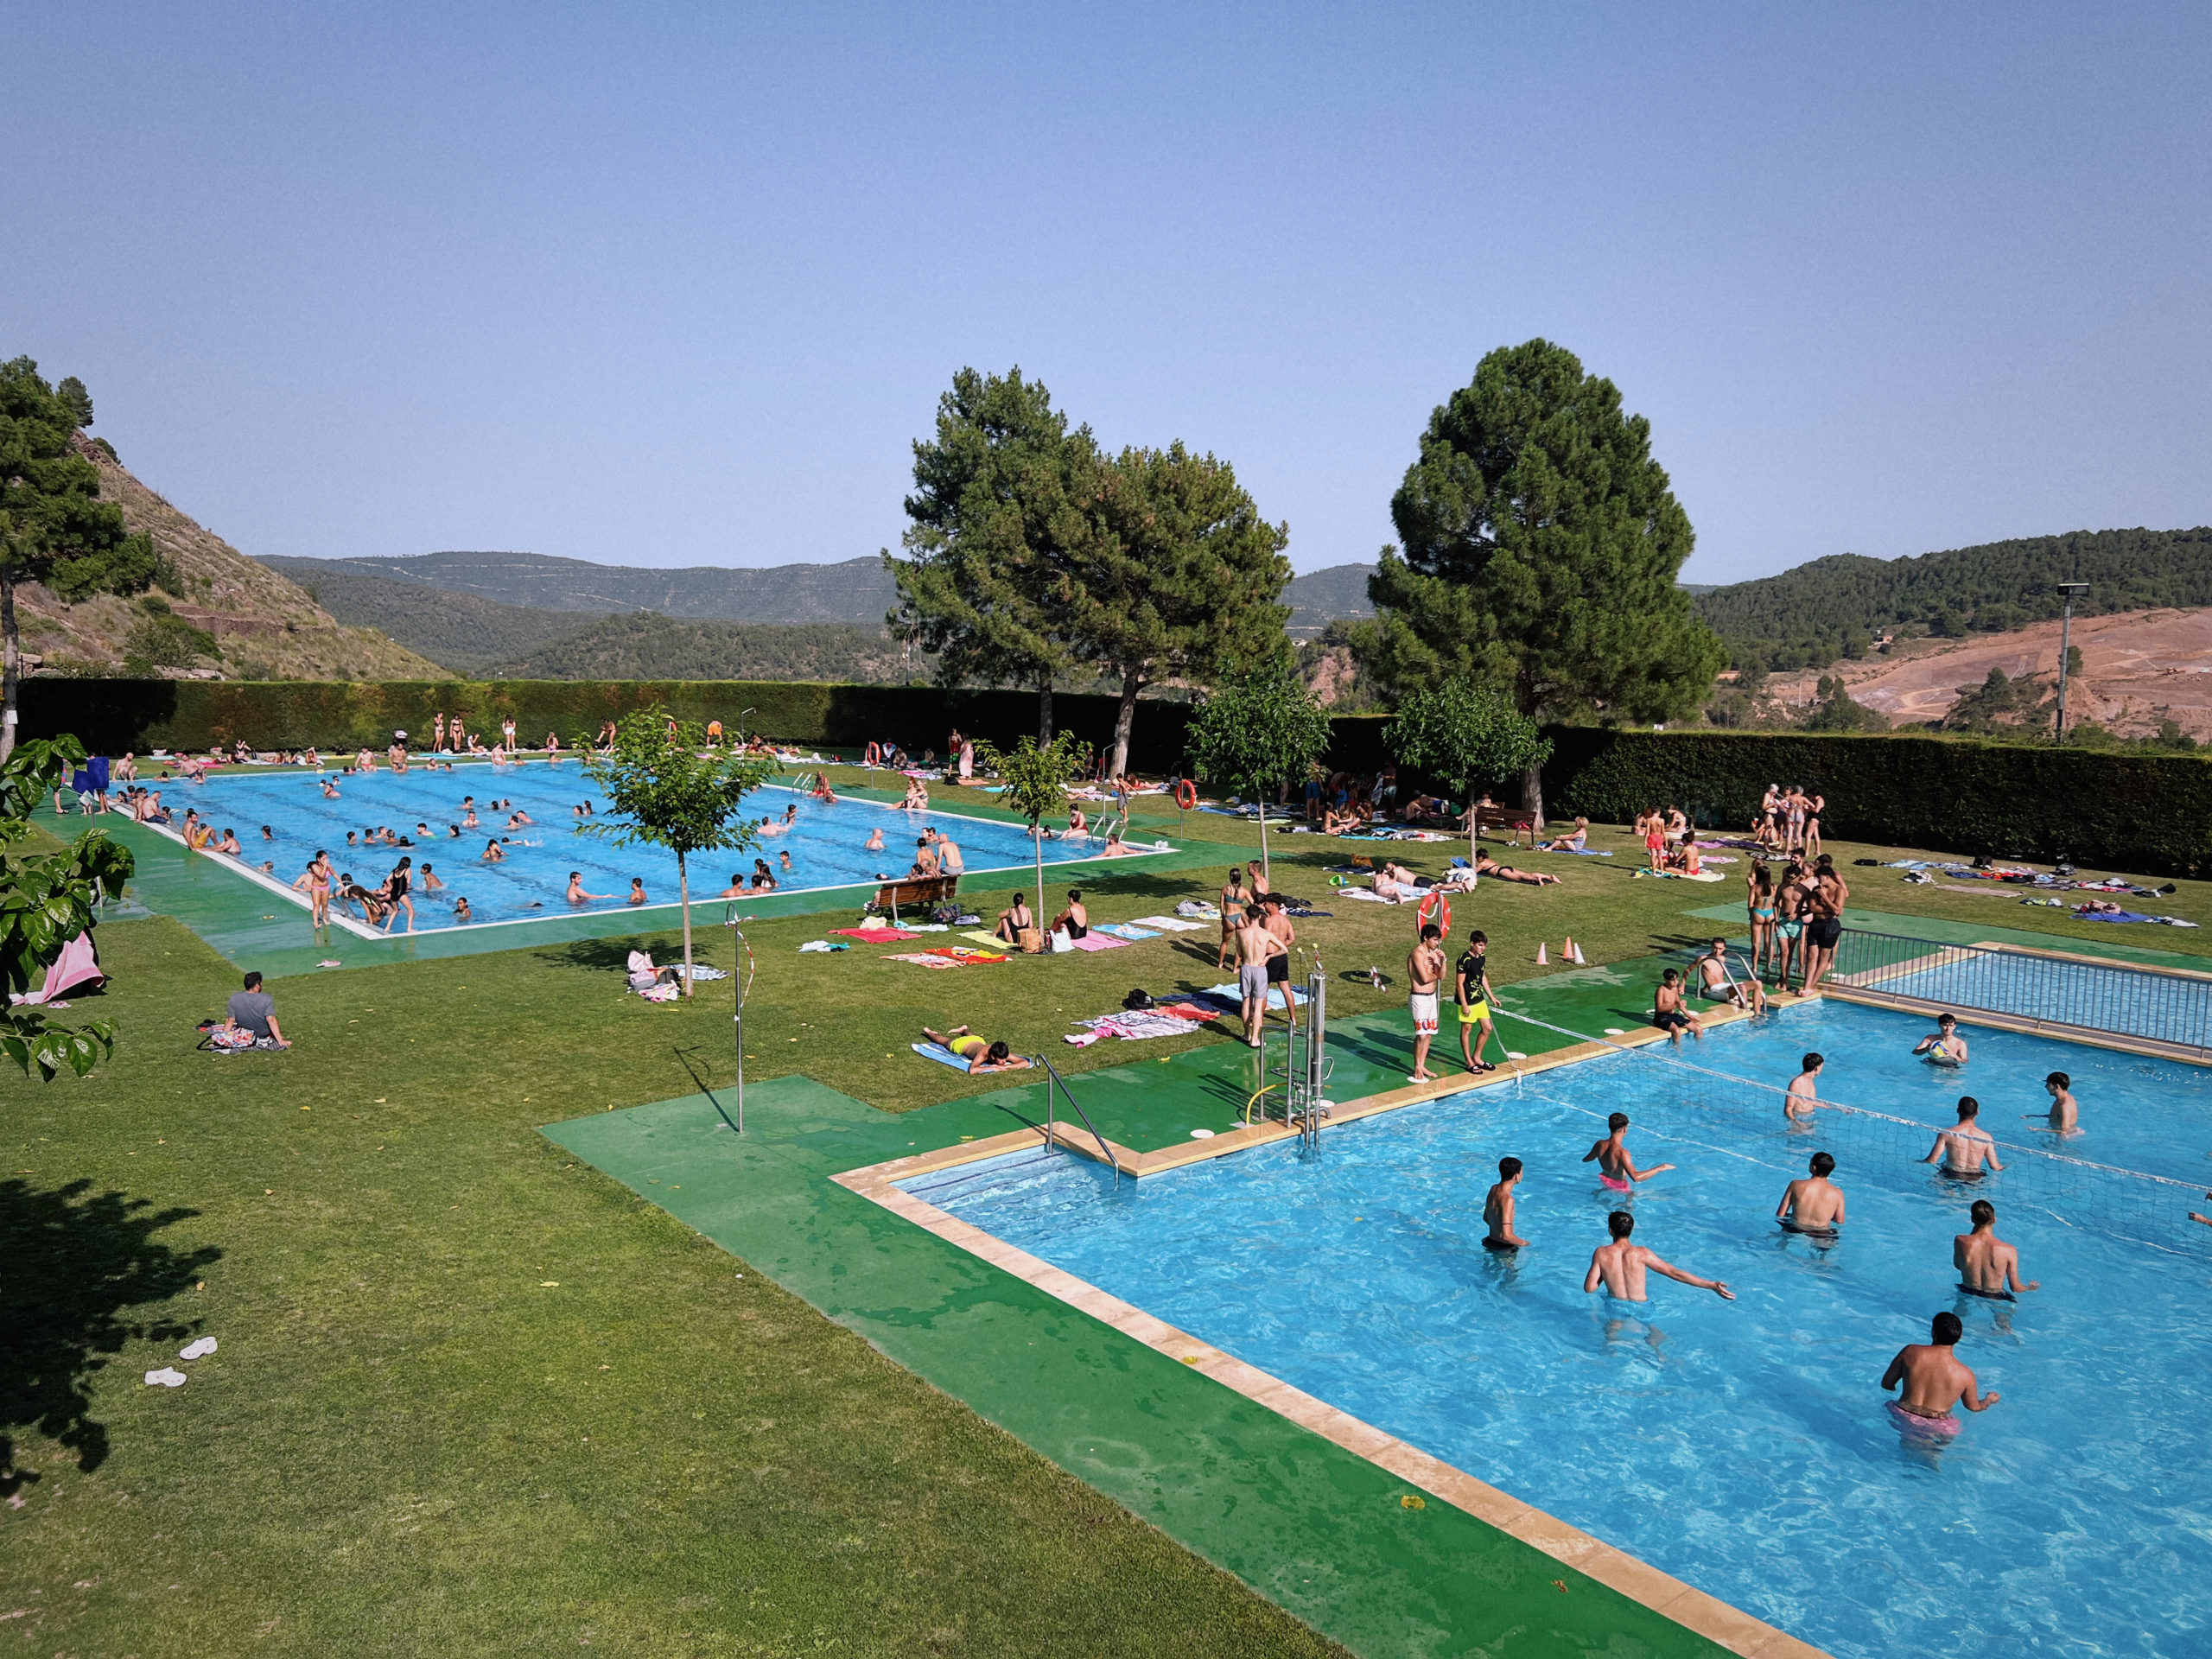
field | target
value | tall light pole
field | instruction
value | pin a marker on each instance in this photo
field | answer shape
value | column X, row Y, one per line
column 2073, row 590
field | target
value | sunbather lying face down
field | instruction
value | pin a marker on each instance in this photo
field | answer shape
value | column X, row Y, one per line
column 981, row 1054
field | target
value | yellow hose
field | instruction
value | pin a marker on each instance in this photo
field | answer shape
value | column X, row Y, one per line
column 1255, row 1100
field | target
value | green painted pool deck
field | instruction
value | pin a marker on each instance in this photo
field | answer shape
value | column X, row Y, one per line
column 252, row 925
column 1306, row 1523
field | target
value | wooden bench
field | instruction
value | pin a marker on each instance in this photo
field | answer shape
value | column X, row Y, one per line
column 916, row 892
column 1514, row 820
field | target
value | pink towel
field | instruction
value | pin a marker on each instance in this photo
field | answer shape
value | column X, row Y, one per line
column 1099, row 942
column 76, row 965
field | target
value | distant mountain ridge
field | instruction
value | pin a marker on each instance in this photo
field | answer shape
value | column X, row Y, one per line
column 854, row 590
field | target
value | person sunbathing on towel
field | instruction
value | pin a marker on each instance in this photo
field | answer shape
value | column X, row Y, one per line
column 980, row 1055
column 1485, row 865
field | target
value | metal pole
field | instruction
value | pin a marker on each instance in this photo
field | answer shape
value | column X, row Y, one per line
column 2065, row 650
column 737, row 1022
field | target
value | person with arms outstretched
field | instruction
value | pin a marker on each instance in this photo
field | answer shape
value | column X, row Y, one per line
column 1620, row 1267
column 1616, row 1171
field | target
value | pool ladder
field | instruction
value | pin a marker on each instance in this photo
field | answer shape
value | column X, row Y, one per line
column 1306, row 1066
column 1057, row 1084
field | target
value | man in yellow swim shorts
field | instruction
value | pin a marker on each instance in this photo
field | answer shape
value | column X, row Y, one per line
column 1471, row 987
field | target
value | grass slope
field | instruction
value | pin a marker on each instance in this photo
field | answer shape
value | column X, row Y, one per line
column 475, row 1397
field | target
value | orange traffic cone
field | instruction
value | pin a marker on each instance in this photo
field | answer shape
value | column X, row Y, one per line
column 1566, row 949
column 1543, row 961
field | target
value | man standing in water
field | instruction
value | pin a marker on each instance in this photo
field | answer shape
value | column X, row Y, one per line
column 1498, row 1210
column 1616, row 1171
column 1987, row 1266
column 1621, row 1266
column 1425, row 971
column 1934, row 1382
column 1966, row 1149
column 1815, row 1204
column 1804, row 1090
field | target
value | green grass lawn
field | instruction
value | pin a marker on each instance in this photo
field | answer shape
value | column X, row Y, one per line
column 473, row 1397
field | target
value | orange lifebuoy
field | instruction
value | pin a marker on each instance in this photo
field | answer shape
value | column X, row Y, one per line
column 1186, row 794
column 1436, row 908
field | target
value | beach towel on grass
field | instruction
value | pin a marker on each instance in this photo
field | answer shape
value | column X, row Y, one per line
column 1123, row 931
column 1095, row 940
column 964, row 953
column 1132, row 1026
column 1571, row 852
column 990, row 941
column 875, row 935
column 1171, row 925
column 922, row 959
column 1231, row 996
column 940, row 1054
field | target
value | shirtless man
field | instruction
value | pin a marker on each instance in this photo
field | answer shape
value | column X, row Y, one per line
column 1279, row 925
column 874, row 841
column 1987, row 1266
column 1668, row 1013
column 2065, row 1116
column 1934, row 1382
column 1946, row 1047
column 924, row 858
column 1815, row 1204
column 1254, row 946
column 1718, row 982
column 1425, row 972
column 736, row 889
column 577, row 895
column 1966, row 1149
column 1620, row 1266
column 1804, row 1090
column 950, row 861
column 1824, row 920
column 1616, row 1171
column 1498, row 1210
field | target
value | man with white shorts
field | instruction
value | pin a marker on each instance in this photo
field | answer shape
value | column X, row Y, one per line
column 1425, row 970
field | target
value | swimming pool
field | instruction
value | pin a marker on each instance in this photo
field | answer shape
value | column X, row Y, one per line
column 1741, row 1446
column 826, row 843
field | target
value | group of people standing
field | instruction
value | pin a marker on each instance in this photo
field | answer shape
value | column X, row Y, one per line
column 1796, row 923
column 1789, row 820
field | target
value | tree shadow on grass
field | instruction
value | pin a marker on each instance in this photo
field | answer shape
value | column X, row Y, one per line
column 601, row 956
column 76, row 1267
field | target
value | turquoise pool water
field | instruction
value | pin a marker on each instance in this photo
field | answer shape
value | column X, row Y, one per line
column 826, row 844
column 1741, row 1446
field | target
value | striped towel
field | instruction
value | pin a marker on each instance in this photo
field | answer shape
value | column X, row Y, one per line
column 1172, row 924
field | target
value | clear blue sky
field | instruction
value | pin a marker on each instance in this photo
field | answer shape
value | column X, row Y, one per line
column 668, row 285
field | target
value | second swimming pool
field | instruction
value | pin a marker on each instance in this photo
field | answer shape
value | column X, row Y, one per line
column 1739, row 1445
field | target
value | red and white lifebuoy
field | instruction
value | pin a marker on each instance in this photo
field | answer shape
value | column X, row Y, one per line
column 1434, row 908
column 1186, row 794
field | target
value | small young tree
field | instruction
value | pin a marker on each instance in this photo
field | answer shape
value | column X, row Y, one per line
column 1466, row 736
column 1256, row 733
column 46, row 901
column 676, row 794
column 1037, row 778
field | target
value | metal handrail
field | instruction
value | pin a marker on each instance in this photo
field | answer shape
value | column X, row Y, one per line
column 1054, row 1078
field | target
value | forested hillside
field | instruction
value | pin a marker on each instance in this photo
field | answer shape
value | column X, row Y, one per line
column 646, row 647
column 1831, row 609
column 462, row 632
column 854, row 590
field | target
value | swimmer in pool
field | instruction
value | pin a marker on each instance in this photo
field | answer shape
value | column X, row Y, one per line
column 1934, row 1380
column 1946, row 1047
column 1497, row 1209
column 1964, row 1149
column 1804, row 1090
column 330, row 789
column 2065, row 1116
column 1815, row 1204
column 874, row 841
column 1616, row 1171
column 1987, row 1265
column 577, row 895
column 1620, row 1266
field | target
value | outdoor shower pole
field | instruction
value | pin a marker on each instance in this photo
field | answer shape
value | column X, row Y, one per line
column 737, row 1022
column 2071, row 589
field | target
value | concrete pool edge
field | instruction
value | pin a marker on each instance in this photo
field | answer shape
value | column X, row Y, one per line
column 1722, row 1622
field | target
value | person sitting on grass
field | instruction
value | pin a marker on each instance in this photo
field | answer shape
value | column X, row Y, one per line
column 980, row 1055
column 1074, row 919
column 1573, row 843
column 254, row 1012
column 1014, row 920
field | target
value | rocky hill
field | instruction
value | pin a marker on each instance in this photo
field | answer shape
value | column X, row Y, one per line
column 264, row 627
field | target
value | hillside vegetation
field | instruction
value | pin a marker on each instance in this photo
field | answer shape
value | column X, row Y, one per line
column 1834, row 608
column 466, row 632
column 854, row 590
column 216, row 612
column 646, row 647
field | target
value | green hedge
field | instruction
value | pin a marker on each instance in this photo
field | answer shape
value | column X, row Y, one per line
column 2151, row 814
column 113, row 716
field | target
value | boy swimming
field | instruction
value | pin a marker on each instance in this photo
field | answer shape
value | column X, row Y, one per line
column 1497, row 1209
column 1987, row 1266
column 1804, row 1090
column 1933, row 1382
column 1966, row 1147
column 2065, row 1116
column 1616, row 1171
column 1620, row 1266
column 1946, row 1047
column 1814, row 1204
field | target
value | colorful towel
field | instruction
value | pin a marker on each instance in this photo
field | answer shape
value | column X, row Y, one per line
column 875, row 935
column 964, row 953
column 940, row 1054
column 1123, row 931
column 922, row 959
column 1135, row 1025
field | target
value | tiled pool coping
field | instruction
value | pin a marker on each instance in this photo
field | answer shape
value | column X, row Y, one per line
column 1707, row 1616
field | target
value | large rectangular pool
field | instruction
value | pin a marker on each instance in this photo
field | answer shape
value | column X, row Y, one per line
column 828, row 843
column 1741, row 1446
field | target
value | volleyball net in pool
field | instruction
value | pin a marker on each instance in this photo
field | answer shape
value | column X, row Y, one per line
column 2129, row 1203
column 2068, row 996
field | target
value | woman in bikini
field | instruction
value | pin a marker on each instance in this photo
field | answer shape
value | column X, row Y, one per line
column 318, row 874
column 1234, row 896
column 1815, row 805
column 1794, row 842
column 1758, row 900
